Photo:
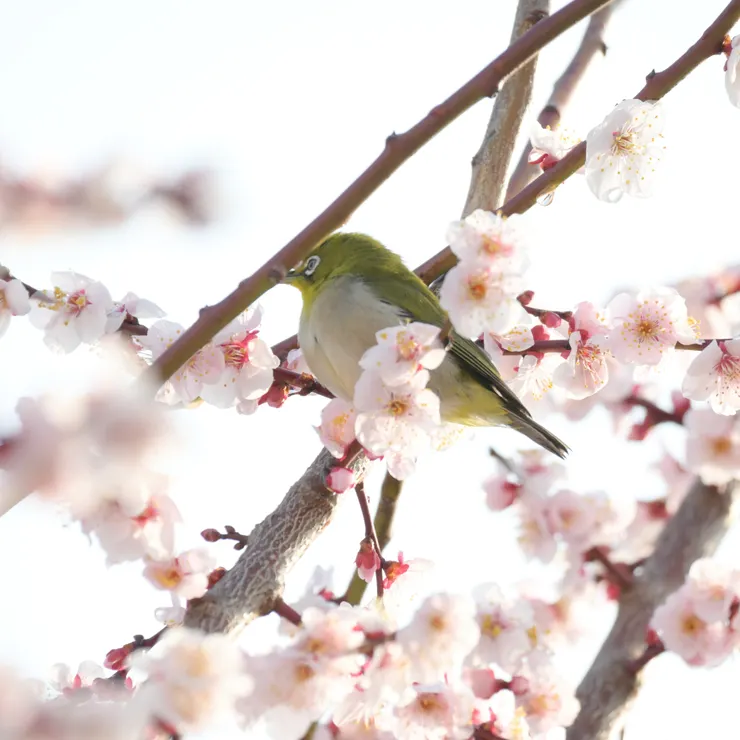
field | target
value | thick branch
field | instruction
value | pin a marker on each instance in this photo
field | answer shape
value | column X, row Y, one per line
column 592, row 45
column 491, row 163
column 611, row 684
column 398, row 149
column 658, row 85
column 255, row 583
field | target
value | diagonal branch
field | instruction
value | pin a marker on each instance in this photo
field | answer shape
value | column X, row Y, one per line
column 658, row 85
column 398, row 149
column 592, row 44
column 611, row 683
column 491, row 163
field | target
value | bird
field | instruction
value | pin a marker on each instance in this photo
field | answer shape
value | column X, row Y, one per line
column 353, row 287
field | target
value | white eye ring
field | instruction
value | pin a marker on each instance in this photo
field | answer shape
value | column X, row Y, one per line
column 311, row 264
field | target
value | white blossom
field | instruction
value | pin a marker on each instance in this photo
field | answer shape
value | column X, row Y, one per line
column 714, row 376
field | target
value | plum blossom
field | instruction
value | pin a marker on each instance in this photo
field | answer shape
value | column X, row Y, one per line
column 732, row 79
column 396, row 420
column 205, row 367
column 534, row 375
column 248, row 363
column 185, row 576
column 506, row 629
column 623, row 151
column 64, row 680
column 173, row 615
column 480, row 298
column 434, row 712
column 296, row 361
column 131, row 305
column 76, row 312
column 586, row 370
column 367, row 561
column 502, row 716
column 714, row 376
column 13, row 302
column 403, row 350
column 442, row 633
column 337, row 428
column 697, row 621
column 549, row 145
column 547, row 697
column 194, row 678
column 489, row 239
column 646, row 326
column 712, row 446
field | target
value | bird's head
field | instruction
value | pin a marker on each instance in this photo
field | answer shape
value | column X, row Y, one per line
column 341, row 254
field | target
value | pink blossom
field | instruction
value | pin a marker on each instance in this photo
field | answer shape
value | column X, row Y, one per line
column 489, row 239
column 205, row 367
column 131, row 305
column 646, row 326
column 434, row 712
column 505, row 629
column 714, row 376
column 442, row 633
column 549, row 145
column 76, row 312
column 185, row 575
column 194, row 678
column 480, row 298
column 684, row 632
column 586, row 370
column 296, row 361
column 623, row 152
column 64, row 680
column 403, row 350
column 248, row 363
column 549, row 700
column 337, row 428
column 712, row 446
column 367, row 561
column 397, row 419
column 13, row 302
column 501, row 492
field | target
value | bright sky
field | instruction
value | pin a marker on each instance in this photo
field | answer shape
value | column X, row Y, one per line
column 288, row 102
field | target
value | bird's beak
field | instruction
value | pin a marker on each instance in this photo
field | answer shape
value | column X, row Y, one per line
column 290, row 278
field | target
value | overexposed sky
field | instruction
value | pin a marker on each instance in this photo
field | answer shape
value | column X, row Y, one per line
column 289, row 101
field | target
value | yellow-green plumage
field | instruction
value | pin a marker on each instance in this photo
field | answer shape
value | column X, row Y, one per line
column 358, row 287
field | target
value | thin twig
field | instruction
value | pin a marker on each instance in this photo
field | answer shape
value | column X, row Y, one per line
column 398, row 149
column 286, row 612
column 370, row 534
column 390, row 491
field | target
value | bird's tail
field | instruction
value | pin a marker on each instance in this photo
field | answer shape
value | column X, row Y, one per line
column 537, row 433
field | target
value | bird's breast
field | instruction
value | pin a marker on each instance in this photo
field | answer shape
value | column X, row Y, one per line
column 338, row 328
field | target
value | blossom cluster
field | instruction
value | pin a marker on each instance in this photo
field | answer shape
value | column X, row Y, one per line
column 700, row 621
column 393, row 415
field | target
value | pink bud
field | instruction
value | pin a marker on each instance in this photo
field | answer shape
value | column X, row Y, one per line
column 551, row 320
column 519, row 685
column 211, row 535
column 539, row 334
column 115, row 659
column 340, row 480
column 526, row 298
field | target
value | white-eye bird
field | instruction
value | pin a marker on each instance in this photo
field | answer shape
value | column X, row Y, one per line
column 352, row 287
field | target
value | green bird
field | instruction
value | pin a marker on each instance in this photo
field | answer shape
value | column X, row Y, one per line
column 353, row 287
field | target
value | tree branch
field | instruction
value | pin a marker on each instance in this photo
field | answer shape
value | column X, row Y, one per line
column 398, row 149
column 254, row 584
column 491, row 163
column 611, row 684
column 592, row 44
column 658, row 85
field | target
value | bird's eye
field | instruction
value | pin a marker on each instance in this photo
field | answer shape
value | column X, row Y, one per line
column 311, row 264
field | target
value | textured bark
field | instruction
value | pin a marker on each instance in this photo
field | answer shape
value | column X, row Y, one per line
column 491, row 163
column 255, row 582
column 610, row 686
